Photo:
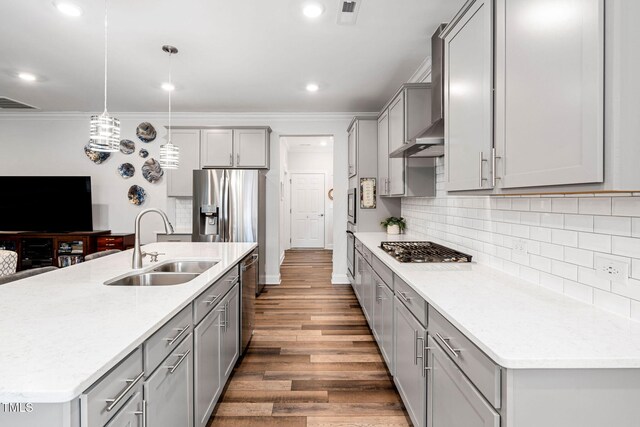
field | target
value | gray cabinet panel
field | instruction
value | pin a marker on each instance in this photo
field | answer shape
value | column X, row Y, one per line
column 378, row 315
column 131, row 414
column 180, row 181
column 169, row 391
column 367, row 294
column 230, row 347
column 453, row 400
column 352, row 155
column 385, row 305
column 410, row 376
column 383, row 154
column 469, row 98
column 251, row 148
column 207, row 376
column 166, row 339
column 216, row 148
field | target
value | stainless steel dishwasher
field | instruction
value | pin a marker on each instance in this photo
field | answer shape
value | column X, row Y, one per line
column 248, row 283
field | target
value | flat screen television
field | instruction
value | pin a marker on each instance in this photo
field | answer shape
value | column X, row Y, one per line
column 53, row 204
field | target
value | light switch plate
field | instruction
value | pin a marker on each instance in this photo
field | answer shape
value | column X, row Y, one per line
column 611, row 269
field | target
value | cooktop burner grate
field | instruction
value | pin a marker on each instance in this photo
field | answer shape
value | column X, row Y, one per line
column 423, row 252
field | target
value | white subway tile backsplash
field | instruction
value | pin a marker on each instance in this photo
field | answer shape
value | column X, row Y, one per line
column 612, row 302
column 635, row 268
column 635, row 227
column 629, row 290
column 540, row 234
column 522, row 204
column 618, row 225
column 626, row 246
column 578, row 291
column 564, row 269
column 564, row 205
column 594, row 206
column 626, row 206
column 550, row 250
column 564, row 237
column 595, row 242
column 542, row 204
column 578, row 222
column 579, row 257
column 533, row 218
column 540, row 263
column 552, row 282
column 588, row 276
column 635, row 310
column 552, row 220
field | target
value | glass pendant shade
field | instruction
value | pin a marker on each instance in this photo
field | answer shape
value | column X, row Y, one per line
column 169, row 156
column 104, row 133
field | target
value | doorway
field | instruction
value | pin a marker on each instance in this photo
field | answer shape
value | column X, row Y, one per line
column 307, row 210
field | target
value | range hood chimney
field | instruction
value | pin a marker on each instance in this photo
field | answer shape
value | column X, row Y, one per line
column 429, row 142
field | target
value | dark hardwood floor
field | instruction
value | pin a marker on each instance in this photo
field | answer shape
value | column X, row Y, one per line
column 312, row 360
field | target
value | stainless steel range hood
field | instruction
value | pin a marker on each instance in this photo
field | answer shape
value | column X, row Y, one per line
column 429, row 142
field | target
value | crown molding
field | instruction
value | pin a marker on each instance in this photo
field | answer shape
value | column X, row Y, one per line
column 423, row 73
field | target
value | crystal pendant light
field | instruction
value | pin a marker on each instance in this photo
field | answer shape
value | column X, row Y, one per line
column 169, row 153
column 104, row 131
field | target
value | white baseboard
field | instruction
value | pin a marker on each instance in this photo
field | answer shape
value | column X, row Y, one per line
column 281, row 257
column 340, row 279
column 329, row 247
column 272, row 279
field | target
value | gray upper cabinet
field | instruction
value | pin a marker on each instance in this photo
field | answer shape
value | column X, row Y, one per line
column 180, row 181
column 468, row 92
column 383, row 154
column 207, row 378
column 251, row 148
column 396, row 140
column 453, row 400
column 169, row 390
column 352, row 155
column 216, row 148
column 549, row 112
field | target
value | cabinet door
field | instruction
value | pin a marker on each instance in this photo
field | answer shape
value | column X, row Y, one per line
column 251, row 148
column 352, row 155
column 169, row 390
column 207, row 378
column 366, row 291
column 549, row 129
column 131, row 414
column 216, row 148
column 357, row 282
column 410, row 375
column 180, row 181
column 378, row 314
column 230, row 349
column 386, row 346
column 397, row 138
column 383, row 154
column 453, row 400
column 469, row 99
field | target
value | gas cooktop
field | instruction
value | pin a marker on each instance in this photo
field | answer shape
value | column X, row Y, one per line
column 423, row 252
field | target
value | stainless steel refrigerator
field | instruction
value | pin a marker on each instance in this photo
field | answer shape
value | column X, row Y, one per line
column 229, row 206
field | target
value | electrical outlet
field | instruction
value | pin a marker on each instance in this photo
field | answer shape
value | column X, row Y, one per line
column 614, row 270
column 520, row 246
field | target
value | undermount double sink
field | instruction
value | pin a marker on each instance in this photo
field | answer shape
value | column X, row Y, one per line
column 166, row 274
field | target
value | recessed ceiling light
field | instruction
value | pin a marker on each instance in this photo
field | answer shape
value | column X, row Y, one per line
column 323, row 143
column 168, row 87
column 312, row 87
column 67, row 8
column 27, row 76
column 312, row 10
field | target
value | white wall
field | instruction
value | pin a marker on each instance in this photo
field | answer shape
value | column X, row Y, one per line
column 317, row 162
column 52, row 144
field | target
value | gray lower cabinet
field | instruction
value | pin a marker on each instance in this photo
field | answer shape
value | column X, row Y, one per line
column 357, row 282
column 230, row 339
column 367, row 293
column 132, row 413
column 207, row 378
column 169, row 390
column 410, row 370
column 453, row 400
column 383, row 319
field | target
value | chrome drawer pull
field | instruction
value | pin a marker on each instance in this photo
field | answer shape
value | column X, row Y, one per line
column 132, row 384
column 405, row 297
column 174, row 339
column 183, row 356
column 223, row 318
column 418, row 354
column 445, row 341
column 143, row 413
column 233, row 279
column 211, row 301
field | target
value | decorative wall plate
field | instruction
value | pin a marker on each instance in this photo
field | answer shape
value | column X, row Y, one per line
column 96, row 157
column 143, row 153
column 136, row 195
column 152, row 171
column 146, row 132
column 127, row 146
column 126, row 170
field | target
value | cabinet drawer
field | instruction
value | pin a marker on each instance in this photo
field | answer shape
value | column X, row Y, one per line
column 166, row 339
column 359, row 246
column 213, row 295
column 411, row 299
column 383, row 271
column 476, row 365
column 103, row 400
column 366, row 253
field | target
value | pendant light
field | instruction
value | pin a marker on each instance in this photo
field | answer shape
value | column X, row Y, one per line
column 104, row 131
column 169, row 153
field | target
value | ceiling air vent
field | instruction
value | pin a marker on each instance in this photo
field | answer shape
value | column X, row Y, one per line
column 12, row 104
column 348, row 12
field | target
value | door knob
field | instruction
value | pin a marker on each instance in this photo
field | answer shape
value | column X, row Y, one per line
column 321, row 214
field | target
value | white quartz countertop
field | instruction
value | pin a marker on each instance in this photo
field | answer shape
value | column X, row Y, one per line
column 61, row 331
column 517, row 324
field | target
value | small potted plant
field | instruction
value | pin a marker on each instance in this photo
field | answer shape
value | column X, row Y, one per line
column 394, row 225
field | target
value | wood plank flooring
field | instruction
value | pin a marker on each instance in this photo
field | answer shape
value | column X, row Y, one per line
column 312, row 360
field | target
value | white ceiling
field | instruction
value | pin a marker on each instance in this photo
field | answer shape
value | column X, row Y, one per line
column 235, row 55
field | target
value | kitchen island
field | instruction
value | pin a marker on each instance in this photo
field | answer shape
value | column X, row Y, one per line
column 501, row 351
column 64, row 331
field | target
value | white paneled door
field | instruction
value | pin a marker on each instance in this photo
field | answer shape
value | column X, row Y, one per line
column 307, row 210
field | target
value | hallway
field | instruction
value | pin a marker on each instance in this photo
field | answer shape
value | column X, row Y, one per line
column 312, row 360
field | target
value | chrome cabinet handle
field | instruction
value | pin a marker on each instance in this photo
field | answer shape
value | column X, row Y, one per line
column 213, row 299
column 445, row 341
column 226, row 317
column 404, row 296
column 143, row 413
column 418, row 353
column 425, row 358
column 223, row 318
column 254, row 259
column 182, row 356
column 238, row 159
column 494, row 171
column 233, row 279
column 482, row 160
column 230, row 159
column 180, row 332
column 132, row 383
